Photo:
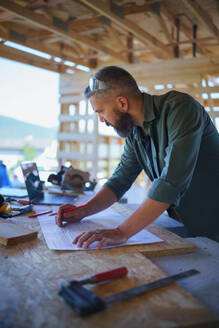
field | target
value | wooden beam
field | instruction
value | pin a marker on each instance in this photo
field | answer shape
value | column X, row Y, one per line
column 38, row 4
column 164, row 27
column 116, row 35
column 170, row 71
column 53, row 50
column 52, row 39
column 29, row 59
column 183, row 29
column 129, row 26
column 130, row 48
column 130, row 9
column 5, row 16
column 34, row 39
column 203, row 17
column 84, row 23
column 62, row 31
column 135, row 9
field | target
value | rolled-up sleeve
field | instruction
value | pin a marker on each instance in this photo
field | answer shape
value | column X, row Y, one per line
column 126, row 172
column 185, row 124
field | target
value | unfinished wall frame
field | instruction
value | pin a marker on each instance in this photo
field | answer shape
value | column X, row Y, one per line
column 79, row 140
column 84, row 149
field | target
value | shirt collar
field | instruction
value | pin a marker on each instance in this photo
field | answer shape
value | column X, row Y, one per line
column 148, row 116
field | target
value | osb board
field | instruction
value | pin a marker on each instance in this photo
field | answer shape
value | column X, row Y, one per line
column 12, row 234
column 29, row 283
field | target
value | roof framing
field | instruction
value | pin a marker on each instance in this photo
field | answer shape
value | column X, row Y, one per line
column 112, row 32
column 51, row 26
column 203, row 16
column 129, row 26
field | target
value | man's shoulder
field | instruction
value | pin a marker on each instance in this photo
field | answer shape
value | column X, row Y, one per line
column 175, row 100
column 174, row 96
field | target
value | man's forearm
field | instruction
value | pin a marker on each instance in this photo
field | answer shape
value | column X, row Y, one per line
column 148, row 211
column 103, row 199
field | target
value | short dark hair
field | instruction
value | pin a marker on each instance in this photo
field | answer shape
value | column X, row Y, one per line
column 114, row 78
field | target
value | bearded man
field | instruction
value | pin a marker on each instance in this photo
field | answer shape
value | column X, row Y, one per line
column 172, row 138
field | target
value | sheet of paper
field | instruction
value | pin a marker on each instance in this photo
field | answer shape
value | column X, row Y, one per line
column 61, row 238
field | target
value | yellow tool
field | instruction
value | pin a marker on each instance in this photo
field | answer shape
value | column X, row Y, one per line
column 6, row 208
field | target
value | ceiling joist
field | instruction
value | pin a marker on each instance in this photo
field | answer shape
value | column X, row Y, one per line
column 30, row 59
column 54, row 50
column 129, row 26
column 112, row 32
column 61, row 30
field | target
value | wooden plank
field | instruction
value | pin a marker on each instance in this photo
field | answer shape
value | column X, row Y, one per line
column 129, row 26
column 169, row 71
column 44, row 23
column 164, row 28
column 64, row 52
column 12, row 234
column 42, row 268
column 29, row 59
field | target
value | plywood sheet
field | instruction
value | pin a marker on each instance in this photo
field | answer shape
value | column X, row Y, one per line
column 12, row 233
column 31, row 289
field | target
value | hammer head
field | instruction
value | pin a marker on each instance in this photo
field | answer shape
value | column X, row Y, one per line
column 83, row 301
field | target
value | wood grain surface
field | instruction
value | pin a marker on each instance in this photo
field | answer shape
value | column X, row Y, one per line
column 30, row 275
column 12, row 234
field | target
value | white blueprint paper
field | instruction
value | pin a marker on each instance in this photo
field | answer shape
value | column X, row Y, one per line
column 61, row 238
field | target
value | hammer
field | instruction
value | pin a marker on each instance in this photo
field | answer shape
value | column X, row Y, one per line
column 84, row 302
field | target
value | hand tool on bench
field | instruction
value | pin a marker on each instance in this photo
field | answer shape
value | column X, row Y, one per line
column 84, row 302
column 8, row 209
column 82, row 299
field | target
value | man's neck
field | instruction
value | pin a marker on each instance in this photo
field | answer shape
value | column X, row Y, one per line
column 138, row 110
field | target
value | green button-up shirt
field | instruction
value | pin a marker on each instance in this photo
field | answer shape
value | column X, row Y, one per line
column 185, row 153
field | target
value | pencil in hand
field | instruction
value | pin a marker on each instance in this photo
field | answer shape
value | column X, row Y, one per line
column 70, row 209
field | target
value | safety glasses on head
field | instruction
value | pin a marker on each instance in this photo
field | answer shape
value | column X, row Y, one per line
column 96, row 84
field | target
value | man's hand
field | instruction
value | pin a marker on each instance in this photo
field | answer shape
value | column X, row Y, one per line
column 104, row 236
column 69, row 217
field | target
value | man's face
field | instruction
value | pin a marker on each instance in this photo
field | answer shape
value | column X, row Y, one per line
column 112, row 114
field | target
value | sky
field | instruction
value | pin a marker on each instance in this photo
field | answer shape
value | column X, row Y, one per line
column 29, row 93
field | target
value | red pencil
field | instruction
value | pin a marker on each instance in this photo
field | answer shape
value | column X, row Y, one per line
column 38, row 214
column 70, row 209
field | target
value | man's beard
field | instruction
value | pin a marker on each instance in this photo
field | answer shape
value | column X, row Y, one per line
column 123, row 125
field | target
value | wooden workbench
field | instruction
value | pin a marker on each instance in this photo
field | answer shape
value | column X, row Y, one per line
column 30, row 273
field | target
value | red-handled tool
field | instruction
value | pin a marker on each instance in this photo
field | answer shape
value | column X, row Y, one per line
column 103, row 276
column 84, row 302
column 99, row 277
